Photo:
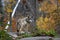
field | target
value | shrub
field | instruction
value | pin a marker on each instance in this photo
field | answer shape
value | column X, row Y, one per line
column 45, row 26
column 4, row 36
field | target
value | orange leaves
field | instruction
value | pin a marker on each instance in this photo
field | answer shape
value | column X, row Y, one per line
column 14, row 24
column 59, row 1
column 48, row 7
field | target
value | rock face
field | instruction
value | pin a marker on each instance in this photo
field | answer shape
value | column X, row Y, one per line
column 36, row 38
column 40, row 38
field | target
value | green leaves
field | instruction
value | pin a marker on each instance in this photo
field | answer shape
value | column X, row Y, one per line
column 51, row 32
column 26, row 35
column 4, row 36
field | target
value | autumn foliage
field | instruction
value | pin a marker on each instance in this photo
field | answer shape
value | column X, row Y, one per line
column 48, row 7
column 45, row 23
column 52, row 17
column 14, row 25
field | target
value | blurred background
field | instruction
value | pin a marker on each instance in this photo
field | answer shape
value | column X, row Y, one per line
column 45, row 13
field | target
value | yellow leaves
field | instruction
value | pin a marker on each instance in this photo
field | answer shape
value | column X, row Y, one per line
column 11, row 0
column 52, row 19
column 9, row 5
column 9, row 10
column 39, row 22
column 45, row 23
column 46, row 19
column 41, row 19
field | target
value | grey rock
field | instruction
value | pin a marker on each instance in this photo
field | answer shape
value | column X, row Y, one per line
column 36, row 38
